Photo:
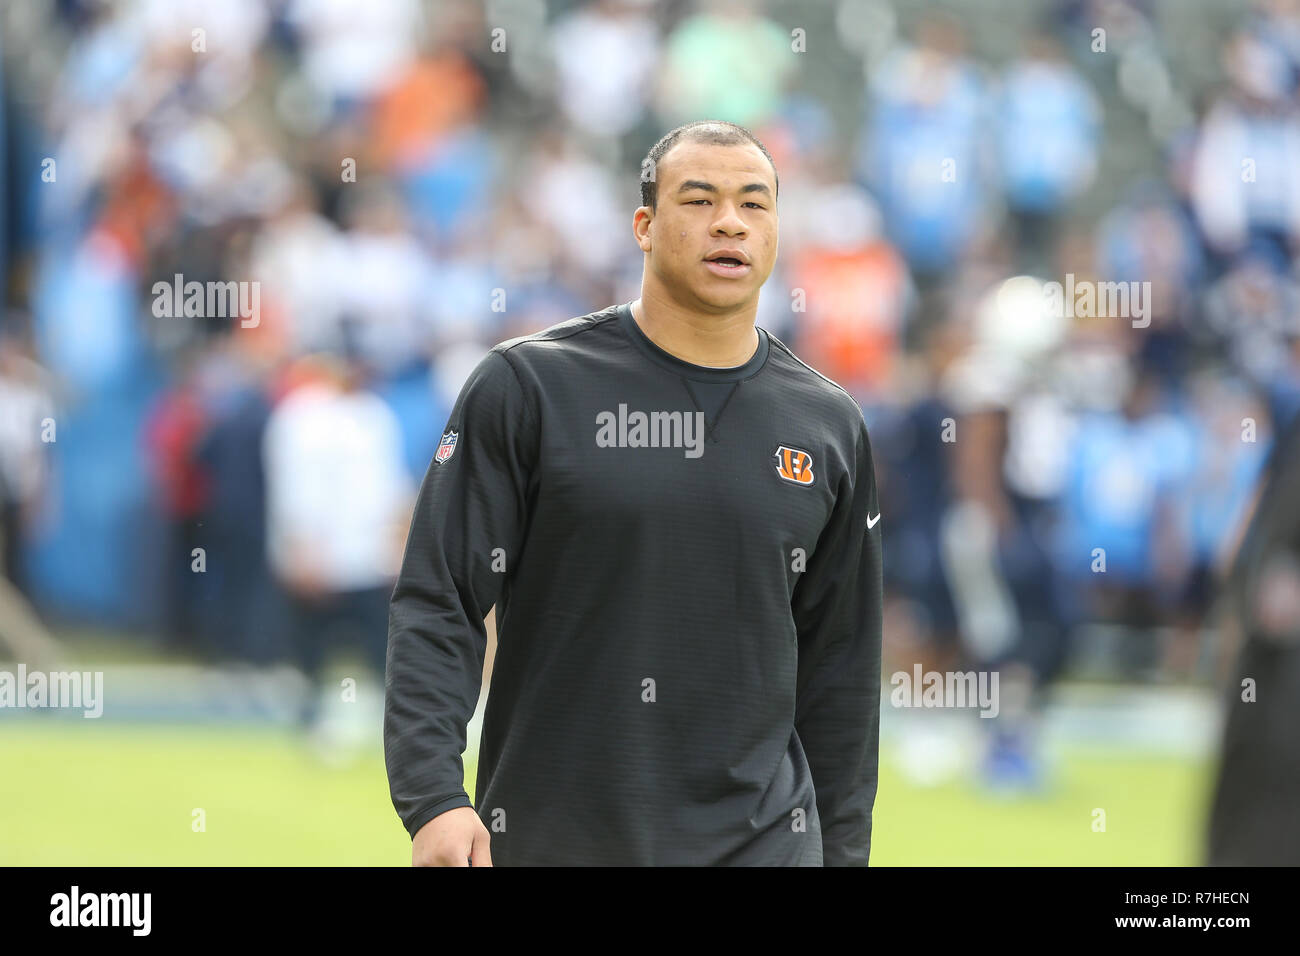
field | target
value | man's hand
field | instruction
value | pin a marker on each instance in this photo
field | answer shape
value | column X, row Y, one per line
column 454, row 838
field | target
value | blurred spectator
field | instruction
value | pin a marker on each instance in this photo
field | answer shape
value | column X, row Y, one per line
column 1231, row 439
column 338, row 504
column 353, row 52
column 294, row 257
column 856, row 292
column 1148, row 238
column 381, row 303
column 727, row 62
column 1048, row 123
column 1278, row 22
column 1010, row 436
column 230, row 455
column 448, row 187
column 172, row 434
column 921, row 151
column 576, row 199
column 617, row 41
column 1120, row 536
column 1252, row 317
column 1246, row 181
column 27, row 425
column 913, row 444
column 439, row 93
column 85, row 312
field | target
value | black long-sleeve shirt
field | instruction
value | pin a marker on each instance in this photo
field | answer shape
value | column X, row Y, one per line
column 688, row 608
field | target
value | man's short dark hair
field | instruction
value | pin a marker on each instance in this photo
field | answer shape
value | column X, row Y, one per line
column 711, row 132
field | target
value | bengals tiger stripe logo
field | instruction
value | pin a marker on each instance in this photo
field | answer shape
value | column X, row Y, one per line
column 794, row 464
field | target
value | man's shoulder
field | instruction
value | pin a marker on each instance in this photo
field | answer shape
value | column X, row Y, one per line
column 812, row 386
column 555, row 339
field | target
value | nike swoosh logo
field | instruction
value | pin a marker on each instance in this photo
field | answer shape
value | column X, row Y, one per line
column 871, row 522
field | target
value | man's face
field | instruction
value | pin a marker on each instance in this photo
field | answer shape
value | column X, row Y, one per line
column 711, row 199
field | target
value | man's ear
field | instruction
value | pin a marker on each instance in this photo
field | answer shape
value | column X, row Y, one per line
column 641, row 226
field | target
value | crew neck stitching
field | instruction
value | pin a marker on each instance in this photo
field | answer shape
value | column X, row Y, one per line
column 683, row 369
column 717, row 419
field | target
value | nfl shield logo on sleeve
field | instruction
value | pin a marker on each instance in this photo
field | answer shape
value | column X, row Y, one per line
column 446, row 447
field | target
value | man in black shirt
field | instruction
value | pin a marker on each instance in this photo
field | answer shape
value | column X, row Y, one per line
column 1253, row 816
column 677, row 522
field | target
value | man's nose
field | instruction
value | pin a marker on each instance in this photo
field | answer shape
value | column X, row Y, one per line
column 730, row 224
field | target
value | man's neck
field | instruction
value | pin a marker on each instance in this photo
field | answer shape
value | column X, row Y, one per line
column 710, row 342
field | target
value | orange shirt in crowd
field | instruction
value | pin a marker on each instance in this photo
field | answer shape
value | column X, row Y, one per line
column 434, row 96
column 854, row 302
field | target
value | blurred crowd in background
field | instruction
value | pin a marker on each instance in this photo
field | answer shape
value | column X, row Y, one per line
column 408, row 183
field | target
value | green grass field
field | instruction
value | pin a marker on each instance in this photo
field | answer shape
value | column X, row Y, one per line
column 90, row 795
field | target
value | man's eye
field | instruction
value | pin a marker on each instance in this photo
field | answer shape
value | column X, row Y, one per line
column 754, row 204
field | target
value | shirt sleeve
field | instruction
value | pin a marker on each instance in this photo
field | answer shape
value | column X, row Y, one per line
column 470, row 504
column 837, row 613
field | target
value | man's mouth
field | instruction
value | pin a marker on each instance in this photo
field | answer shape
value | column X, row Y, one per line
column 728, row 266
